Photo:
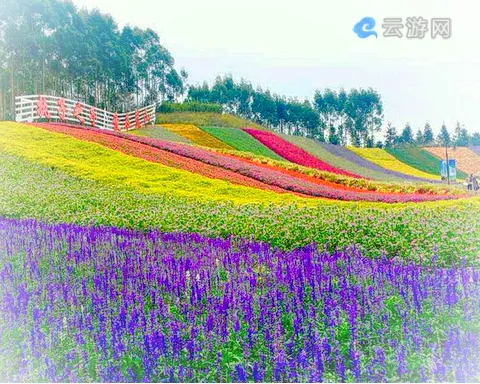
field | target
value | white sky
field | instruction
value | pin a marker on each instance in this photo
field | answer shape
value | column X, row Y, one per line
column 295, row 47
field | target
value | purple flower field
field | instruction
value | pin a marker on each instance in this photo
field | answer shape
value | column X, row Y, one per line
column 106, row 304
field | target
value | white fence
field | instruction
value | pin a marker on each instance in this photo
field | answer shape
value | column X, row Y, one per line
column 35, row 107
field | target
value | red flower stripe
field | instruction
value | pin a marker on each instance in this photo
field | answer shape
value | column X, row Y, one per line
column 156, row 155
column 282, row 179
column 293, row 153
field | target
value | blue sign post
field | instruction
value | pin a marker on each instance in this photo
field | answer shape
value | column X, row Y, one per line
column 452, row 169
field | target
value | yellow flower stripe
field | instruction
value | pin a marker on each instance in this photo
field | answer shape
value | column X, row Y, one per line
column 196, row 135
column 93, row 161
column 385, row 160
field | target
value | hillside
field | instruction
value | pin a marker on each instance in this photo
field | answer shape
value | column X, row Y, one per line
column 120, row 232
column 206, row 119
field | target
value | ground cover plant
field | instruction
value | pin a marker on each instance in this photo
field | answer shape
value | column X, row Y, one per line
column 264, row 176
column 407, row 231
column 134, row 147
column 467, row 160
column 206, row 119
column 241, row 141
column 419, row 159
column 158, row 132
column 293, row 153
column 317, row 149
column 371, row 185
column 196, row 135
column 382, row 158
column 111, row 305
column 388, row 174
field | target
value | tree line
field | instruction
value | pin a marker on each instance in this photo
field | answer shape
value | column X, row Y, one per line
column 51, row 47
column 340, row 117
column 460, row 137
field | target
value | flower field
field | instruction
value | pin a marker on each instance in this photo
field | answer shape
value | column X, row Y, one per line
column 139, row 257
column 467, row 160
column 158, row 132
column 365, row 184
column 419, row 159
column 387, row 174
column 255, row 175
column 107, row 304
column 292, row 153
column 196, row 135
column 241, row 141
column 339, row 160
column 387, row 161
column 476, row 149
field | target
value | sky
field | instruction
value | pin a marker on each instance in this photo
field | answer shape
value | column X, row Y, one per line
column 296, row 47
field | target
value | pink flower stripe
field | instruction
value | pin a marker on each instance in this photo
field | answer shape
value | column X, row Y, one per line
column 293, row 153
column 286, row 180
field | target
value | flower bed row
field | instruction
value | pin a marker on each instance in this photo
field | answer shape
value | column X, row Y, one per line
column 361, row 184
column 196, row 135
column 49, row 192
column 294, row 154
column 345, row 153
column 157, row 155
column 89, row 304
column 275, row 176
column 385, row 160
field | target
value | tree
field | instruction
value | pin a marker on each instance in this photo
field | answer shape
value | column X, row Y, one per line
column 406, row 136
column 391, row 137
column 475, row 139
column 428, row 135
column 443, row 137
column 419, row 140
column 332, row 136
column 461, row 137
column 51, row 47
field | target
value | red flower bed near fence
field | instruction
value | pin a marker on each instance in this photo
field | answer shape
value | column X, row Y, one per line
column 280, row 179
column 293, row 153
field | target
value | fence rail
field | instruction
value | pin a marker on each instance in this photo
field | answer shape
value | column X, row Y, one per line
column 35, row 107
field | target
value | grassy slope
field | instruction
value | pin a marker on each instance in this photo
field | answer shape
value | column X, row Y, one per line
column 385, row 160
column 29, row 190
column 420, row 159
column 206, row 119
column 158, row 132
column 313, row 148
column 241, row 141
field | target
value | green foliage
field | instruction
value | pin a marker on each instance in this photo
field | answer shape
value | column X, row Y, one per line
column 207, row 119
column 444, row 138
column 391, row 137
column 428, row 138
column 411, row 231
column 190, row 106
column 406, row 136
column 419, row 159
column 241, row 141
column 51, row 47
